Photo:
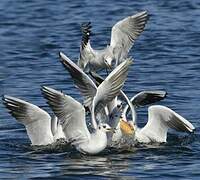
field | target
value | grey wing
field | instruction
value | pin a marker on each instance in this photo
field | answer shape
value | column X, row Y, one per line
column 86, row 33
column 160, row 119
column 36, row 120
column 86, row 51
column 125, row 32
column 114, row 121
column 145, row 98
column 100, row 79
column 111, row 86
column 70, row 113
column 86, row 86
column 148, row 97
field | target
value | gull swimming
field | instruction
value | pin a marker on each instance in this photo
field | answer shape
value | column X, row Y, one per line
column 42, row 129
column 139, row 100
column 123, row 35
column 72, row 114
column 160, row 120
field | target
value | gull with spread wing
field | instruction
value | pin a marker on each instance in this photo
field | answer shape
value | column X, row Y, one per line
column 123, row 35
column 87, row 87
column 160, row 120
column 140, row 99
column 42, row 129
column 72, row 116
column 72, row 113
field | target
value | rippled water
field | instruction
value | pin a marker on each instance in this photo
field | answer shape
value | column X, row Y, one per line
column 166, row 57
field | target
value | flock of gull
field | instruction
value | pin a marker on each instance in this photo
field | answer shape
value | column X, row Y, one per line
column 106, row 115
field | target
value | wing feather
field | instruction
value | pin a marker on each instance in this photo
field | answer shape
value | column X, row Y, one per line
column 86, row 51
column 125, row 32
column 162, row 118
column 111, row 86
column 70, row 113
column 36, row 120
column 145, row 98
column 84, row 83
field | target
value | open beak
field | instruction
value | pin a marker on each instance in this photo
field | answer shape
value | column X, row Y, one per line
column 126, row 128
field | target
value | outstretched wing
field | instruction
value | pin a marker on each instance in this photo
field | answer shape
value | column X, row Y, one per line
column 70, row 113
column 36, row 120
column 86, row 86
column 86, row 33
column 111, row 86
column 145, row 98
column 125, row 32
column 148, row 97
column 99, row 80
column 86, row 51
column 160, row 119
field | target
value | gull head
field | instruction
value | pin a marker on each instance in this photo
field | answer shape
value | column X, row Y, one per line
column 105, row 127
column 127, row 127
column 119, row 104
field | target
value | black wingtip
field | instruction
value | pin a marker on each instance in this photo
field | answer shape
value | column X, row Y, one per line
column 42, row 87
column 86, row 33
column 4, row 99
column 59, row 54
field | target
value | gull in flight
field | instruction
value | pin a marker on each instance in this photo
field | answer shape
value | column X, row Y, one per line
column 72, row 114
column 123, row 35
column 160, row 119
column 42, row 129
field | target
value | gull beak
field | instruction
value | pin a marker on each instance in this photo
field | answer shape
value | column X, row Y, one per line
column 108, row 63
column 126, row 127
column 111, row 130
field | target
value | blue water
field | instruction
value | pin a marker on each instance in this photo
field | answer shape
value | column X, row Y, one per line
column 166, row 57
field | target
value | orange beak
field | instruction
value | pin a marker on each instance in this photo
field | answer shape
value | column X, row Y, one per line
column 126, row 128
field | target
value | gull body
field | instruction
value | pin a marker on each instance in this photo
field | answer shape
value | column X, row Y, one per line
column 72, row 116
column 160, row 120
column 139, row 100
column 123, row 35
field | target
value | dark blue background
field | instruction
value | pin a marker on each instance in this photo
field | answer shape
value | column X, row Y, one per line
column 166, row 57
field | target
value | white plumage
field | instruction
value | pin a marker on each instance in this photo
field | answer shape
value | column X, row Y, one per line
column 123, row 35
column 40, row 127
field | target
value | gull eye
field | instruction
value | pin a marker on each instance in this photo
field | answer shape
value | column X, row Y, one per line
column 119, row 105
column 104, row 126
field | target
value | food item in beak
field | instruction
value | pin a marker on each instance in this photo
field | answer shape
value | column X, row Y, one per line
column 126, row 128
